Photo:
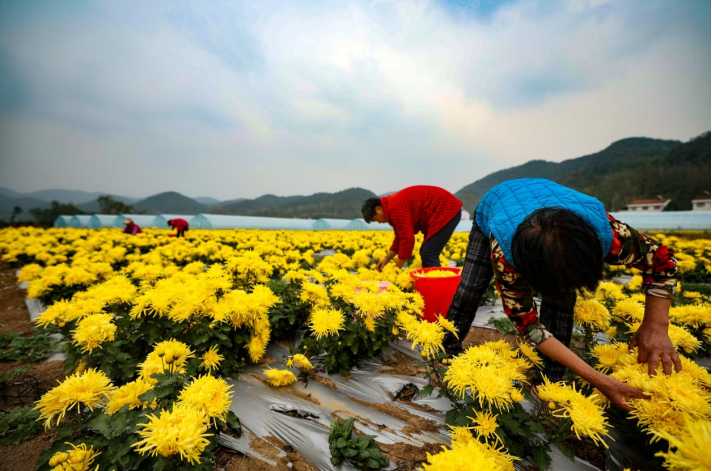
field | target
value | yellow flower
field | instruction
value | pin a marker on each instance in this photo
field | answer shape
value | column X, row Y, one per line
column 628, row 309
column 181, row 431
column 300, row 361
column 689, row 446
column 531, row 354
column 128, row 395
column 489, row 372
column 325, row 322
column 89, row 389
column 468, row 453
column 447, row 325
column 209, row 394
column 609, row 291
column 167, row 356
column 93, row 331
column 485, row 426
column 586, row 413
column 423, row 335
column 211, row 359
column 279, row 378
column 592, row 313
column 79, row 458
column 609, row 355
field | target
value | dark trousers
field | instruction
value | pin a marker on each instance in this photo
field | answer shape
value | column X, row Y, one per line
column 431, row 248
column 180, row 233
column 556, row 313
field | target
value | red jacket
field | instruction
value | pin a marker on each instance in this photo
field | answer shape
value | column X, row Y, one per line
column 178, row 224
column 420, row 208
column 132, row 228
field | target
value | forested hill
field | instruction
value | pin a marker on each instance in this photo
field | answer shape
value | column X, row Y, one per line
column 342, row 204
column 637, row 167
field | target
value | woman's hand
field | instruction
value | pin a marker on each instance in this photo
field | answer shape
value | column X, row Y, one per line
column 618, row 392
column 654, row 346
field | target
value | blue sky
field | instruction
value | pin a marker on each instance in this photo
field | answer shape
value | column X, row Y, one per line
column 237, row 99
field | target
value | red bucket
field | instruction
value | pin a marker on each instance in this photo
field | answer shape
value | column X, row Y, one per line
column 436, row 292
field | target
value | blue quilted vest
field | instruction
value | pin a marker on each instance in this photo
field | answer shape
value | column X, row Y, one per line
column 506, row 205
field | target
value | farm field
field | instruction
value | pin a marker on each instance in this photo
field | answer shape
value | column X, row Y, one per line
column 161, row 336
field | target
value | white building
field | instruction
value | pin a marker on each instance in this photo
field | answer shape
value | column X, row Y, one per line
column 701, row 202
column 656, row 204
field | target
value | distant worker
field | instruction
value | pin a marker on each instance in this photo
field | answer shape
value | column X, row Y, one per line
column 180, row 225
column 538, row 238
column 431, row 210
column 130, row 227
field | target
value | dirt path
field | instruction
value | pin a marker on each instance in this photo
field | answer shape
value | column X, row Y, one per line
column 31, row 384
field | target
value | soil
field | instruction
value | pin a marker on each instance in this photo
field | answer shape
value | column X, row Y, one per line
column 13, row 312
column 23, row 457
column 408, row 457
column 414, row 423
column 28, row 387
column 478, row 335
column 401, row 364
column 270, row 448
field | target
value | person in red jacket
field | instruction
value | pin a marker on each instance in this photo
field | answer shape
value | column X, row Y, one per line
column 180, row 225
column 130, row 227
column 428, row 209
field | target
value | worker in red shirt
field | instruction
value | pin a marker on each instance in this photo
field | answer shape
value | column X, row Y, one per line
column 428, row 209
column 180, row 225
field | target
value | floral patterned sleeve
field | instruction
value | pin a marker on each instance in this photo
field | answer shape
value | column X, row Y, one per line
column 517, row 298
column 656, row 261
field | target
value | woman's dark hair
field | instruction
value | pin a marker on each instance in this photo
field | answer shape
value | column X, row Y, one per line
column 557, row 252
column 368, row 210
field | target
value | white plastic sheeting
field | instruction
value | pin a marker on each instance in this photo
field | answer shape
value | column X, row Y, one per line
column 222, row 221
column 62, row 221
column 665, row 219
column 143, row 220
column 105, row 220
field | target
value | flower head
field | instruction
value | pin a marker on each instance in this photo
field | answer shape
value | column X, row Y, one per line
column 211, row 359
column 208, row 394
column 128, row 395
column 182, row 431
column 93, row 331
column 325, row 322
column 89, row 389
column 78, row 458
column 279, row 378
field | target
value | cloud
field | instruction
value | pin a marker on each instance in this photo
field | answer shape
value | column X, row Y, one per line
column 245, row 98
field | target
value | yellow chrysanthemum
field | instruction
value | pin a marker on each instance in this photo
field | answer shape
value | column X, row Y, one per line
column 93, row 331
column 182, row 431
column 608, row 356
column 531, row 354
column 689, row 446
column 128, row 395
column 211, row 359
column 426, row 336
column 78, row 458
column 300, row 361
column 325, row 322
column 485, row 426
column 208, row 394
column 489, row 372
column 586, row 413
column 609, row 291
column 678, row 336
column 592, row 313
column 468, row 453
column 279, row 378
column 167, row 356
column 89, row 389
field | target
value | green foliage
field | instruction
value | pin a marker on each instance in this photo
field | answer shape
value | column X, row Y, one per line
column 290, row 314
column 503, row 325
column 114, row 435
column 626, row 169
column 18, row 425
column 46, row 216
column 30, row 349
column 522, row 433
column 352, row 345
column 108, row 205
column 360, row 451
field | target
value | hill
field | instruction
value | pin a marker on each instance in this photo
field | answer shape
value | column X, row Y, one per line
column 343, row 204
column 626, row 169
column 168, row 202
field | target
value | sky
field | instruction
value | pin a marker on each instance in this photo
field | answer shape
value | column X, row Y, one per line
column 233, row 98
